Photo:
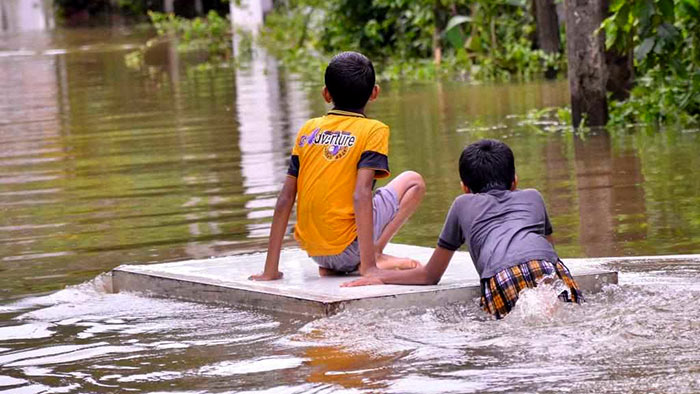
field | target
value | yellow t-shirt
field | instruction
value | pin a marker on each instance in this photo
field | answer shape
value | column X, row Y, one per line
column 326, row 156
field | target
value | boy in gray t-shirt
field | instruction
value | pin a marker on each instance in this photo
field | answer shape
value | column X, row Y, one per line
column 507, row 230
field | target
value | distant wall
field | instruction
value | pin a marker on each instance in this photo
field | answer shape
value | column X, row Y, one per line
column 25, row 15
column 249, row 14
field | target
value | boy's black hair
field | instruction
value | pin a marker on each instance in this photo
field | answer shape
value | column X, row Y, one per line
column 487, row 165
column 350, row 79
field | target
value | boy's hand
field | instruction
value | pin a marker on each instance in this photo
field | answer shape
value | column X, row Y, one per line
column 265, row 277
column 364, row 281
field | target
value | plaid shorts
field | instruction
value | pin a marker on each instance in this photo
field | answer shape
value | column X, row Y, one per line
column 500, row 292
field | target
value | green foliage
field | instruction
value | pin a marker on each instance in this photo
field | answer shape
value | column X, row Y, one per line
column 497, row 41
column 404, row 27
column 209, row 38
column 133, row 7
column 211, row 34
column 477, row 39
column 665, row 37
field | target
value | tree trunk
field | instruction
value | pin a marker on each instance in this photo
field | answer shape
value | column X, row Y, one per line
column 587, row 69
column 437, row 48
column 620, row 67
column 169, row 6
column 620, row 73
column 547, row 30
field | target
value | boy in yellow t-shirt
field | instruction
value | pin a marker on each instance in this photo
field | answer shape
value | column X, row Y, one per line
column 336, row 158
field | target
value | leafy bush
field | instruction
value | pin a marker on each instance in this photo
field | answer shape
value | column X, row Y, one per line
column 665, row 37
column 211, row 34
column 475, row 39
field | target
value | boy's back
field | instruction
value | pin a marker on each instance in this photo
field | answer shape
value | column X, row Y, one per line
column 502, row 228
column 327, row 153
column 507, row 231
column 341, row 222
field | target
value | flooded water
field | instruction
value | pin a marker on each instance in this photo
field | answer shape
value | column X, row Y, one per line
column 103, row 163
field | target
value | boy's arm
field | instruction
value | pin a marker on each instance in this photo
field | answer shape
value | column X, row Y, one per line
column 280, row 219
column 362, row 199
column 430, row 274
column 548, row 229
column 451, row 238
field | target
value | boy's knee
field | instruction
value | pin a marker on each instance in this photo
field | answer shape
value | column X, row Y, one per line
column 415, row 180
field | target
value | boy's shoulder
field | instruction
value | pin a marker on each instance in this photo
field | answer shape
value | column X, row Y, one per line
column 533, row 195
column 377, row 123
column 506, row 196
column 528, row 192
column 364, row 122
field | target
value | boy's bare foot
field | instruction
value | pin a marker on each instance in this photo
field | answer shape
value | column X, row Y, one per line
column 329, row 272
column 266, row 277
column 387, row 262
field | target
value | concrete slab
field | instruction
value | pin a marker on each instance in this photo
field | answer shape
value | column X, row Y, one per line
column 302, row 291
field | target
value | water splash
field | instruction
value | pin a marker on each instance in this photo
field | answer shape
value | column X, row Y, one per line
column 539, row 304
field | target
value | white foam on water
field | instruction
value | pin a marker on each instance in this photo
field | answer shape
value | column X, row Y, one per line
column 71, row 357
column 300, row 389
column 151, row 377
column 422, row 384
column 26, row 331
column 65, row 389
column 41, row 352
column 10, row 381
column 168, row 345
column 31, row 389
column 114, row 367
column 39, row 371
column 96, row 312
column 177, row 392
column 83, row 292
column 77, row 353
column 95, row 328
column 264, row 364
column 539, row 304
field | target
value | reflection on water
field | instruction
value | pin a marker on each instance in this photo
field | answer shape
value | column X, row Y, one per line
column 102, row 165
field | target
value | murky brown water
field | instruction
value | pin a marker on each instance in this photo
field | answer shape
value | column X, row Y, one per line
column 102, row 164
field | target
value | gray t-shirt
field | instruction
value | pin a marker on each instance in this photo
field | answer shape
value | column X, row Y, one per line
column 502, row 228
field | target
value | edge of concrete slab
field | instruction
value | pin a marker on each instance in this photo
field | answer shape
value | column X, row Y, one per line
column 641, row 259
column 159, row 285
column 201, row 291
column 169, row 286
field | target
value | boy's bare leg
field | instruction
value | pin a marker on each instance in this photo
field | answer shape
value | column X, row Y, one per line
column 410, row 189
